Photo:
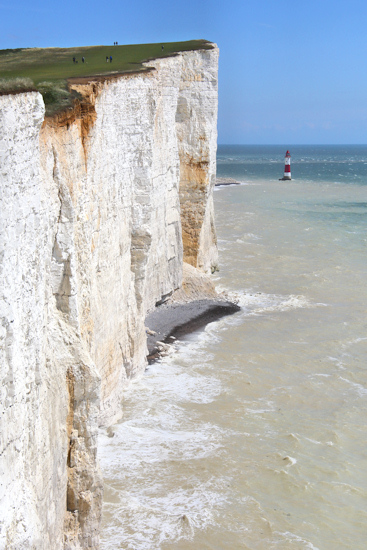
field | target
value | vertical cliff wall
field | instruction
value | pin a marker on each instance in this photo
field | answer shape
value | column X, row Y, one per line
column 197, row 143
column 98, row 208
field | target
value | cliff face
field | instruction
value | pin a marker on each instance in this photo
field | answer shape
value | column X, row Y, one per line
column 197, row 145
column 98, row 209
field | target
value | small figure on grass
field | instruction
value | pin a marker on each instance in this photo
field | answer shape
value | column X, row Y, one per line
column 106, row 58
column 74, row 60
column 110, row 58
column 83, row 59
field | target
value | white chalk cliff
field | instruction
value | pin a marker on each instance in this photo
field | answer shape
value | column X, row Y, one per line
column 99, row 209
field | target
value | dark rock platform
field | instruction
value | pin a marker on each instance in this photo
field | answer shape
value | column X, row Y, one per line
column 177, row 320
column 226, row 181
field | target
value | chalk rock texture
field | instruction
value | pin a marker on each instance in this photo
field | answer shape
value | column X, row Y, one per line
column 196, row 285
column 99, row 206
column 197, row 144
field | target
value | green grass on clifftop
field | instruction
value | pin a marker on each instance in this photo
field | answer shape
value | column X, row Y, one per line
column 48, row 69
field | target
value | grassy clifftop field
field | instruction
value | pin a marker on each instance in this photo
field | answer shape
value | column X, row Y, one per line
column 49, row 69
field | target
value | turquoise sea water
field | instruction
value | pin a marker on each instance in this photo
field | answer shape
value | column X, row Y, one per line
column 309, row 163
column 252, row 435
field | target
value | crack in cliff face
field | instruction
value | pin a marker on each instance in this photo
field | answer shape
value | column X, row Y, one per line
column 70, row 383
column 8, row 380
column 83, row 112
column 84, row 487
column 141, row 241
column 61, row 252
column 194, row 181
column 63, row 293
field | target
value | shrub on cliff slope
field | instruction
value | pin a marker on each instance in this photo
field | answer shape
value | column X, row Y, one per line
column 15, row 85
column 55, row 95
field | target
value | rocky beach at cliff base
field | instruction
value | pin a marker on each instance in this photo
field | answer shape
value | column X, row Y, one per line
column 169, row 322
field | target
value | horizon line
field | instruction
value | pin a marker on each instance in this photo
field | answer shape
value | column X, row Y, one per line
column 296, row 144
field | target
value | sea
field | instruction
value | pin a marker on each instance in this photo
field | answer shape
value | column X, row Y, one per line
column 252, row 434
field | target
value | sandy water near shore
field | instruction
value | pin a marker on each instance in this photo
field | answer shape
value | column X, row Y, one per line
column 251, row 435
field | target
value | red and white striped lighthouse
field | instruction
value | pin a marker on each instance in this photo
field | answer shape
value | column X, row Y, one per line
column 287, row 166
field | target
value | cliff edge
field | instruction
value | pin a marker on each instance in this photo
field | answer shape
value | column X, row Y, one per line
column 100, row 206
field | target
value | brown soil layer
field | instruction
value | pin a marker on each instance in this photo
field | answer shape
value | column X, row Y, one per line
column 177, row 320
column 16, row 91
column 106, row 77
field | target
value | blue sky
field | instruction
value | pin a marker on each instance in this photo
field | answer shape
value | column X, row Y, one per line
column 289, row 72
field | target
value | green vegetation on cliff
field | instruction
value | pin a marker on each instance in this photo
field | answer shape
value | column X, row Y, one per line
column 49, row 69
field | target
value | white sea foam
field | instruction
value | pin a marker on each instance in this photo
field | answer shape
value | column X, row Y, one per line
column 356, row 341
column 292, row 537
column 180, row 385
column 270, row 407
column 153, row 439
column 291, row 461
column 361, row 390
column 151, row 443
column 257, row 302
column 144, row 521
column 313, row 441
column 252, row 236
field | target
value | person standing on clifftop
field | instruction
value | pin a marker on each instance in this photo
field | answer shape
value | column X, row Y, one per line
column 110, row 58
column 83, row 59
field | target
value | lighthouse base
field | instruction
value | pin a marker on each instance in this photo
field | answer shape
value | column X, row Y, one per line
column 285, row 178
